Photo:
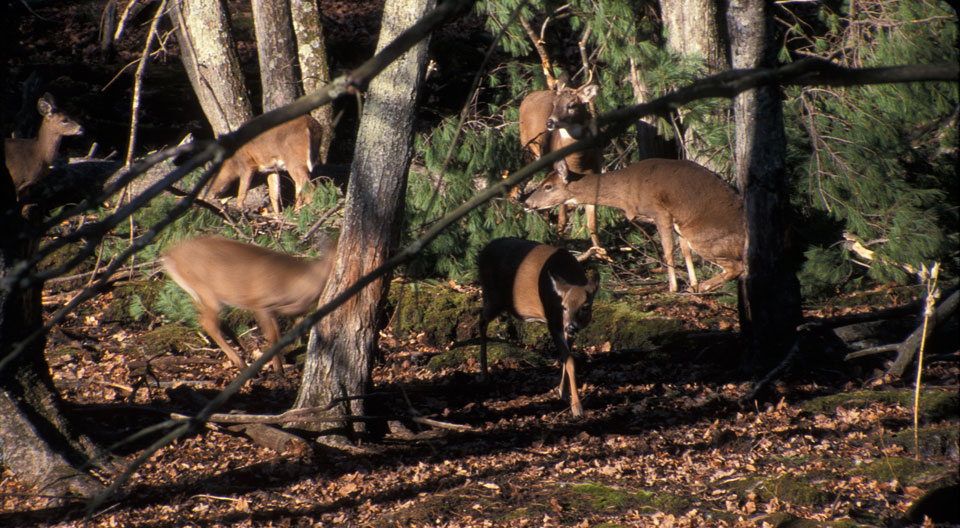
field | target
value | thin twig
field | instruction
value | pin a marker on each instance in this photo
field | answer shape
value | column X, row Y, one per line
column 930, row 280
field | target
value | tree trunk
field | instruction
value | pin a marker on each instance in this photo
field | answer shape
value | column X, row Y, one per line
column 696, row 27
column 37, row 442
column 276, row 49
column 342, row 346
column 314, row 68
column 769, row 289
column 210, row 58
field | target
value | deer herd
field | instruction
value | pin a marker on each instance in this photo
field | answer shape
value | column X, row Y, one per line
column 532, row 281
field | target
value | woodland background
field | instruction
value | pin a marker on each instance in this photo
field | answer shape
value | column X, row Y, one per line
column 674, row 434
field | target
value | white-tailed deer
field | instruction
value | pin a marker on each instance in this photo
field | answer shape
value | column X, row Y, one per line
column 292, row 147
column 553, row 119
column 29, row 160
column 536, row 282
column 705, row 211
column 217, row 271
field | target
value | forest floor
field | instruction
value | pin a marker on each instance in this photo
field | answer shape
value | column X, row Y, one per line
column 669, row 437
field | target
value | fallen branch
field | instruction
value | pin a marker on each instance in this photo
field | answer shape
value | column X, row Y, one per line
column 275, row 439
column 310, row 414
column 907, row 349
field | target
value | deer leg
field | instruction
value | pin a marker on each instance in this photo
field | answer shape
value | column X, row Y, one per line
column 731, row 270
column 562, row 219
column 210, row 322
column 567, row 371
column 484, row 321
column 665, row 227
column 592, row 224
column 301, row 178
column 688, row 258
column 271, row 332
column 273, row 186
column 244, row 178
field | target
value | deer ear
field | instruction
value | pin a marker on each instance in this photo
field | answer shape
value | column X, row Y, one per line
column 559, row 285
column 561, row 168
column 588, row 93
column 592, row 283
column 45, row 104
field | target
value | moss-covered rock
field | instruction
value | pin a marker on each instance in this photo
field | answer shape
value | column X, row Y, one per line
column 601, row 497
column 906, row 471
column 624, row 326
column 128, row 299
column 939, row 440
column 442, row 315
column 794, row 489
column 935, row 405
column 176, row 338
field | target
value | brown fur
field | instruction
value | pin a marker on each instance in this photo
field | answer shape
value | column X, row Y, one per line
column 29, row 160
column 292, row 146
column 217, row 271
column 546, row 120
column 681, row 195
column 536, row 282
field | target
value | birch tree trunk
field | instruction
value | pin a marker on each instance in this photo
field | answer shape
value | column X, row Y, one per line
column 210, row 58
column 276, row 51
column 769, row 289
column 342, row 346
column 314, row 67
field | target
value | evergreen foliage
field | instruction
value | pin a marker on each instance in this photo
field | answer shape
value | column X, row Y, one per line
column 619, row 37
column 878, row 162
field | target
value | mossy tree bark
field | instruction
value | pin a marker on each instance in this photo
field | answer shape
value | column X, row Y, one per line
column 276, row 51
column 342, row 346
column 38, row 442
column 209, row 55
column 769, row 289
column 314, row 67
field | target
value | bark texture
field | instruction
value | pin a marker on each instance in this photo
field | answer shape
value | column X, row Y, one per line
column 37, row 441
column 210, row 58
column 697, row 28
column 769, row 289
column 314, row 67
column 277, row 52
column 342, row 346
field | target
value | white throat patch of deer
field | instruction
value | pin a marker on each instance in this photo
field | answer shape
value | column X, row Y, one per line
column 217, row 271
column 536, row 282
column 674, row 195
column 553, row 119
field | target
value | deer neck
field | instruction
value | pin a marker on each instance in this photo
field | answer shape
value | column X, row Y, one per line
column 48, row 141
column 593, row 189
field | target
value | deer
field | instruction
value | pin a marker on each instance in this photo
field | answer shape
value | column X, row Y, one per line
column 553, row 119
column 537, row 282
column 215, row 271
column 29, row 160
column 706, row 213
column 292, row 147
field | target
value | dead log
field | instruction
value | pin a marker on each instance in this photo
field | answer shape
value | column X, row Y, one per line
column 276, row 439
column 907, row 349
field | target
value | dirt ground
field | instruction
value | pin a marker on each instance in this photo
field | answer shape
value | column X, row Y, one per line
column 669, row 438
